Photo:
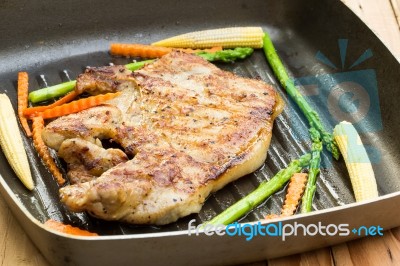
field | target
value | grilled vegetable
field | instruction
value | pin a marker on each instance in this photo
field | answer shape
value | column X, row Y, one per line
column 23, row 101
column 58, row 90
column 287, row 83
column 316, row 148
column 263, row 191
column 149, row 51
column 138, row 65
column 140, row 50
column 68, row 229
column 77, row 106
column 11, row 142
column 37, row 109
column 295, row 189
column 229, row 55
column 357, row 162
column 51, row 92
column 41, row 148
column 225, row 37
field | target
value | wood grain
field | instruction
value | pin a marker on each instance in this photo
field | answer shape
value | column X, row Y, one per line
column 382, row 16
column 15, row 246
column 396, row 10
column 317, row 257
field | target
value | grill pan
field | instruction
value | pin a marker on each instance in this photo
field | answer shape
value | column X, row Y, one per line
column 56, row 40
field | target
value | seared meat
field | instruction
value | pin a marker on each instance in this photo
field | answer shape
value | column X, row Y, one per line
column 100, row 122
column 87, row 160
column 191, row 127
column 104, row 79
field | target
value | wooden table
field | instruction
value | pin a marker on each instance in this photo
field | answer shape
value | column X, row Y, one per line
column 383, row 17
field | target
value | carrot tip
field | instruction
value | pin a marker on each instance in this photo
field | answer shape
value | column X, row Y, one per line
column 22, row 88
column 41, row 148
column 68, row 229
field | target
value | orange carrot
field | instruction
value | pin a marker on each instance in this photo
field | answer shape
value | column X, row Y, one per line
column 38, row 109
column 209, row 50
column 149, row 51
column 140, row 50
column 272, row 216
column 68, row 229
column 294, row 192
column 23, row 101
column 41, row 148
column 77, row 106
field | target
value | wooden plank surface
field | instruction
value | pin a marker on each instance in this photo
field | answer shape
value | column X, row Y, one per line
column 396, row 10
column 382, row 16
column 15, row 246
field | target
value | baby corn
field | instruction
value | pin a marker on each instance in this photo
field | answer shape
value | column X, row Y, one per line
column 11, row 142
column 357, row 162
column 225, row 37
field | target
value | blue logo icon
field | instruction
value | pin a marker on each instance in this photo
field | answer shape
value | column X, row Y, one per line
column 346, row 95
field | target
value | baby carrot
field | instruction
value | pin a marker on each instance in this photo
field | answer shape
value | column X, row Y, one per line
column 68, row 229
column 272, row 216
column 140, row 50
column 77, row 106
column 37, row 109
column 23, row 101
column 295, row 190
column 149, row 51
column 41, row 148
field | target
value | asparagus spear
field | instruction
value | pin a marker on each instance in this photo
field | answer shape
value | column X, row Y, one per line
column 264, row 190
column 51, row 92
column 287, row 83
column 228, row 55
column 58, row 90
column 138, row 65
column 316, row 148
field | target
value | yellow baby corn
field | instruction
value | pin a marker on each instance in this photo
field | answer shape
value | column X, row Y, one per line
column 357, row 162
column 11, row 142
column 225, row 37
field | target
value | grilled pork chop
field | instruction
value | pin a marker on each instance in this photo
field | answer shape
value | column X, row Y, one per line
column 190, row 127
